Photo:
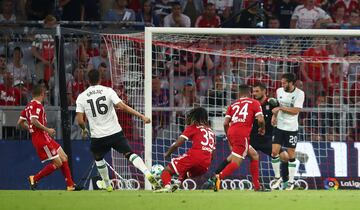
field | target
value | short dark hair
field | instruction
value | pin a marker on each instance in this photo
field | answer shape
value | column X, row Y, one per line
column 197, row 116
column 290, row 77
column 260, row 85
column 37, row 90
column 244, row 89
column 94, row 77
column 176, row 3
column 103, row 64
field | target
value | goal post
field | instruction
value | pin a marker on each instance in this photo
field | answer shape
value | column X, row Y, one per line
column 213, row 61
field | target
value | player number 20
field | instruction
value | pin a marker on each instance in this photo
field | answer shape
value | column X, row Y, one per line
column 292, row 139
column 209, row 138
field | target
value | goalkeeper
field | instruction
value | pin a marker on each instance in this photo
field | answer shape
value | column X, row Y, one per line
column 263, row 143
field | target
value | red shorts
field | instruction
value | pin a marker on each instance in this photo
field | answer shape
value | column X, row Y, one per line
column 240, row 145
column 187, row 166
column 46, row 147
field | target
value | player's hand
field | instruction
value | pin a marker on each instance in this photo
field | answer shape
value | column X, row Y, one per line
column 261, row 131
column 273, row 121
column 51, row 132
column 146, row 119
column 167, row 154
column 84, row 133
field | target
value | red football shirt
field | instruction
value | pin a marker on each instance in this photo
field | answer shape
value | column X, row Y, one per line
column 34, row 109
column 242, row 113
column 9, row 96
column 202, row 137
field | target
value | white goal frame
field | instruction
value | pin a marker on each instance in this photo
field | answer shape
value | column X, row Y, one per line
column 149, row 31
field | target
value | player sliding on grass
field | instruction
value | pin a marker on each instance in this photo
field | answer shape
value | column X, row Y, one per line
column 98, row 103
column 196, row 161
column 33, row 119
column 237, row 125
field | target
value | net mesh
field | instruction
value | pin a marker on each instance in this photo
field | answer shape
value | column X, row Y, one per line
column 204, row 70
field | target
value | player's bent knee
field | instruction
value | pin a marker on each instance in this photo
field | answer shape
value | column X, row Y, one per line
column 57, row 162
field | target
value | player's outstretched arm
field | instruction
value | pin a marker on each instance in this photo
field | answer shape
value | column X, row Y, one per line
column 121, row 105
column 174, row 146
column 23, row 124
column 37, row 124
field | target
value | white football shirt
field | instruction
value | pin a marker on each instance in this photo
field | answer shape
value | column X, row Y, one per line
column 97, row 102
column 307, row 18
column 295, row 98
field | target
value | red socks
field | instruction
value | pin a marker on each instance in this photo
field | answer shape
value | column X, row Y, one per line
column 65, row 170
column 48, row 169
column 166, row 177
column 254, row 170
column 229, row 169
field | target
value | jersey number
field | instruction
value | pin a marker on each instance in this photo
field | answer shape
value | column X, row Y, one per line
column 243, row 111
column 101, row 108
column 209, row 138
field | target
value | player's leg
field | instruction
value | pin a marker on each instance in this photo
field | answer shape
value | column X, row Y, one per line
column 99, row 149
column 275, row 157
column 254, row 167
column 284, row 170
column 65, row 170
column 290, row 143
column 46, row 152
column 223, row 164
column 121, row 144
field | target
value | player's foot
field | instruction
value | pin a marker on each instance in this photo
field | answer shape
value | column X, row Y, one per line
column 74, row 188
column 165, row 189
column 262, row 189
column 154, row 182
column 276, row 183
column 32, row 183
column 216, row 181
column 174, row 187
column 290, row 186
column 101, row 184
column 285, row 185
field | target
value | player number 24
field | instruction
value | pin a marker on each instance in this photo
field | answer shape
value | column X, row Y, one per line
column 243, row 111
column 100, row 107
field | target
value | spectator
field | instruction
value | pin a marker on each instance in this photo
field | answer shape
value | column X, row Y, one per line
column 39, row 9
column 9, row 96
column 104, row 75
column 147, row 16
column 216, row 97
column 355, row 91
column 204, row 63
column 43, row 49
column 220, row 6
column 314, row 71
column 85, row 47
column 309, row 16
column 354, row 21
column 95, row 61
column 185, row 99
column 227, row 20
column 283, row 10
column 3, row 69
column 259, row 75
column 120, row 12
column 209, row 18
column 176, row 18
column 274, row 41
column 20, row 71
column 163, row 7
column 7, row 11
column 339, row 16
column 92, row 10
column 72, row 10
column 160, row 98
column 192, row 9
column 336, row 78
column 249, row 18
column 348, row 5
column 134, row 5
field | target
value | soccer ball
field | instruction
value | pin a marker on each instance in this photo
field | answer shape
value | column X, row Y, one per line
column 156, row 170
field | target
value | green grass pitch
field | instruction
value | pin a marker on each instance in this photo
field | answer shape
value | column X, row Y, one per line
column 188, row 200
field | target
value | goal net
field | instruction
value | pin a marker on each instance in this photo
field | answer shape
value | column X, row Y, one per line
column 203, row 67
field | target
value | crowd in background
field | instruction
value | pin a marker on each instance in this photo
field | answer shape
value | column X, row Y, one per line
column 200, row 78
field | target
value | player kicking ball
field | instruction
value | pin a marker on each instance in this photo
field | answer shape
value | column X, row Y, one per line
column 196, row 161
column 238, row 123
column 98, row 104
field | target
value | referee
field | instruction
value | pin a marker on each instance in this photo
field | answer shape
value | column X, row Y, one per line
column 263, row 143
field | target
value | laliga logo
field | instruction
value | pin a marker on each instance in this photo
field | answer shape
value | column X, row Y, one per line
column 331, row 184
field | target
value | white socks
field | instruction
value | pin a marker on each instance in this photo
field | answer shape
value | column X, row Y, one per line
column 139, row 164
column 275, row 162
column 103, row 171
